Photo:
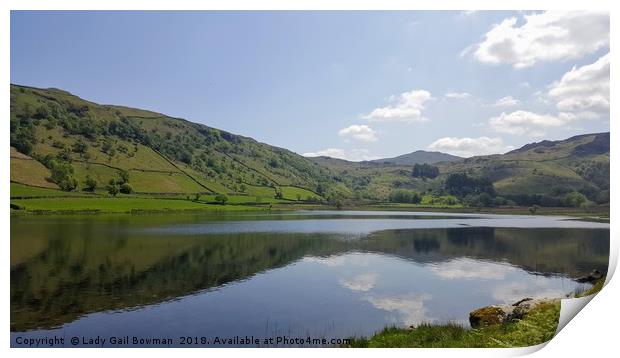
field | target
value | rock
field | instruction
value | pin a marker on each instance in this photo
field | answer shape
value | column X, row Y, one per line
column 521, row 301
column 487, row 316
column 594, row 276
column 523, row 309
column 491, row 315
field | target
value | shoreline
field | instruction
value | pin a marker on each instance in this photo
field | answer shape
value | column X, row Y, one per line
column 536, row 324
column 592, row 214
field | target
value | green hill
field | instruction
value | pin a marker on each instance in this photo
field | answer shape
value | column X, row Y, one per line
column 534, row 173
column 551, row 168
column 162, row 155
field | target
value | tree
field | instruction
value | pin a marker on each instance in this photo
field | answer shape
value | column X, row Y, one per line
column 424, row 171
column 485, row 199
column 113, row 189
column 221, row 198
column 574, row 199
column 107, row 145
column 126, row 188
column 123, row 176
column 62, row 175
column 80, row 147
column 42, row 112
column 460, row 184
column 273, row 162
column 279, row 194
column 90, row 184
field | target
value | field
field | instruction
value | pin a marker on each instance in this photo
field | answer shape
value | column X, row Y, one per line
column 120, row 205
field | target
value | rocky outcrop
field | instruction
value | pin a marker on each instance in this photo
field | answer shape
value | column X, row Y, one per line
column 498, row 314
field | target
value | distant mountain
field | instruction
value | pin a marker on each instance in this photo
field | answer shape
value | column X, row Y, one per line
column 419, row 157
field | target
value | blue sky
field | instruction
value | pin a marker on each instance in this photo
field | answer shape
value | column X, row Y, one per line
column 356, row 85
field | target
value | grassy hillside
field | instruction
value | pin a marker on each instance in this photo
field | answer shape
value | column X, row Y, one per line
column 538, row 173
column 547, row 168
column 59, row 141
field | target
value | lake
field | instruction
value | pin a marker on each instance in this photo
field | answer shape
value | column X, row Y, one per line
column 320, row 274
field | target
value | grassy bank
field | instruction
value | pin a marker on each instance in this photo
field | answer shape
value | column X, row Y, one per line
column 593, row 213
column 40, row 201
column 118, row 205
column 537, row 327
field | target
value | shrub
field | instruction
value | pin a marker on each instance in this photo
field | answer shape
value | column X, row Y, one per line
column 126, row 188
column 90, row 184
column 62, row 175
column 405, row 196
column 221, row 198
column 80, row 147
column 123, row 176
column 113, row 189
column 575, row 199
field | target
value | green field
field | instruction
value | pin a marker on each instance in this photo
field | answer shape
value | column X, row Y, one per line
column 294, row 193
column 21, row 190
column 120, row 205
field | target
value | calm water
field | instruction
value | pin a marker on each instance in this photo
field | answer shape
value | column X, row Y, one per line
column 295, row 274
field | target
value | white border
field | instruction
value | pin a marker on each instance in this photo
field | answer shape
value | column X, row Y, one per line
column 590, row 333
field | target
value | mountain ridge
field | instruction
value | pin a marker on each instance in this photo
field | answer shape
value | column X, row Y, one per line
column 419, row 157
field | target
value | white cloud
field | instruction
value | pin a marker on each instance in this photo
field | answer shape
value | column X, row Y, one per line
column 528, row 123
column 328, row 152
column 410, row 308
column 466, row 13
column 524, row 84
column 354, row 155
column 457, row 95
column 471, row 269
column 331, row 261
column 512, row 292
column 359, row 132
column 507, row 101
column 467, row 147
column 543, row 37
column 364, row 282
column 584, row 90
column 408, row 107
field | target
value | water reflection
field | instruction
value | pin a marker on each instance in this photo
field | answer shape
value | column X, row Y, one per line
column 96, row 274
